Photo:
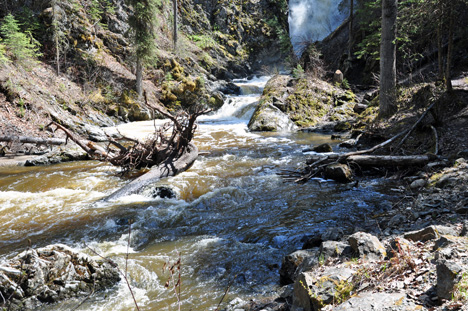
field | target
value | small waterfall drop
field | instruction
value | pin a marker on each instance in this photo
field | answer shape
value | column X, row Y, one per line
column 313, row 20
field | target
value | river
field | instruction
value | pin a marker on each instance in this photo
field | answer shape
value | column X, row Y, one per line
column 232, row 222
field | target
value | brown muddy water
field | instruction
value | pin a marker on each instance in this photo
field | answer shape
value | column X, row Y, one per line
column 232, row 222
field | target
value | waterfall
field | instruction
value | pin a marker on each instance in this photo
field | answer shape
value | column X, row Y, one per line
column 313, row 20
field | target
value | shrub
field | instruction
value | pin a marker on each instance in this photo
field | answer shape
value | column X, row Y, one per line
column 298, row 72
column 3, row 58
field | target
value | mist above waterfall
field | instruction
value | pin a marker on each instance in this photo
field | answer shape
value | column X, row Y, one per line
column 313, row 20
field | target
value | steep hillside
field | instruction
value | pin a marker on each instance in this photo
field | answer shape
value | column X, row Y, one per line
column 85, row 75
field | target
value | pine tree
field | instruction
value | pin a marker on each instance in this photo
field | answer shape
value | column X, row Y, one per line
column 20, row 45
column 143, row 23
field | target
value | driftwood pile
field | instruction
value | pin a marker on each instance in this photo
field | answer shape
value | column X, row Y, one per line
column 167, row 152
column 318, row 165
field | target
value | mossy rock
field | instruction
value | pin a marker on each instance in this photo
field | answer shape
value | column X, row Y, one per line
column 113, row 110
column 268, row 118
column 342, row 127
column 347, row 96
column 323, row 148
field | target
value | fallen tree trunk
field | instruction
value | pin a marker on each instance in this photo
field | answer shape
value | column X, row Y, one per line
column 91, row 148
column 33, row 140
column 371, row 160
column 385, row 160
column 170, row 167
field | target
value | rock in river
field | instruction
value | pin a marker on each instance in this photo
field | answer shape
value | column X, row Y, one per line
column 339, row 172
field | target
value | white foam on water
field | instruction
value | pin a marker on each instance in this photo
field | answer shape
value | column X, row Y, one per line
column 229, row 111
column 47, row 200
column 109, row 248
column 207, row 241
column 133, row 198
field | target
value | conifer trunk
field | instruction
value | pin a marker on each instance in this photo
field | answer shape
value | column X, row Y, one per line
column 174, row 2
column 139, row 77
column 448, row 78
column 56, row 38
column 440, row 58
column 57, row 55
column 388, row 59
column 350, row 25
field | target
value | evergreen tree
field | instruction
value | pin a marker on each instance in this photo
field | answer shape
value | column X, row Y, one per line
column 142, row 24
column 20, row 45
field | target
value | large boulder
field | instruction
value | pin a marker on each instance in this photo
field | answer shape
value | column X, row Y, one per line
column 339, row 172
column 367, row 245
column 291, row 263
column 323, row 148
column 312, row 290
column 305, row 101
column 449, row 275
column 51, row 274
column 268, row 118
column 330, row 249
column 429, row 233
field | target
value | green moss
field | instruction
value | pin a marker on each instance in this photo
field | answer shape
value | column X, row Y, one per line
column 343, row 291
column 342, row 127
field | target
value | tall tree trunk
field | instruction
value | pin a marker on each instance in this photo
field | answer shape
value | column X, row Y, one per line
column 56, row 37
column 139, row 77
column 388, row 59
column 439, row 8
column 350, row 25
column 174, row 2
column 440, row 58
column 448, row 78
column 57, row 54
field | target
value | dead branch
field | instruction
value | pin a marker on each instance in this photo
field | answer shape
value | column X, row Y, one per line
column 436, row 140
column 414, row 126
column 388, row 141
column 317, row 163
column 91, row 148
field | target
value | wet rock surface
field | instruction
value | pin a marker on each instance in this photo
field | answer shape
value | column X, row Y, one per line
column 306, row 102
column 339, row 172
column 414, row 256
column 50, row 274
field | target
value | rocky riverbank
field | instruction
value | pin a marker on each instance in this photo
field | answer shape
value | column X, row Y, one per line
column 51, row 274
column 414, row 256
